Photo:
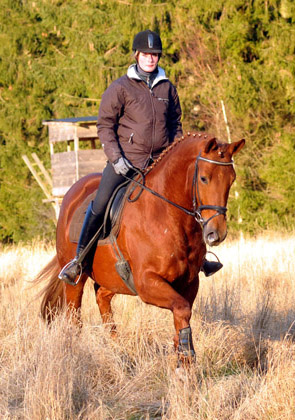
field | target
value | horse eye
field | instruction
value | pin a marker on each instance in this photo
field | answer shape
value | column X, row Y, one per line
column 204, row 180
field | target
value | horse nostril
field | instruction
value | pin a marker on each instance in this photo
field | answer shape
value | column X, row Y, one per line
column 212, row 238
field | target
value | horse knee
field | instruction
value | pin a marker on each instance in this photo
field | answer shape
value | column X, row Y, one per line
column 182, row 313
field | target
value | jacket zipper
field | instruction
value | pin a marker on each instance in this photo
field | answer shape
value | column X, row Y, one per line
column 153, row 110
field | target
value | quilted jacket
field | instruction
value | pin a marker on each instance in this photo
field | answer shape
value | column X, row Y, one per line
column 137, row 121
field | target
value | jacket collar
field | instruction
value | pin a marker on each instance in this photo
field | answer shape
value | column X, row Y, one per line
column 131, row 73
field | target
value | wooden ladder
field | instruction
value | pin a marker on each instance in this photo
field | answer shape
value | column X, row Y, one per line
column 44, row 180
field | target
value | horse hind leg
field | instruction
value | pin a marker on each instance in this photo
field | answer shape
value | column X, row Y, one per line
column 103, row 299
column 73, row 298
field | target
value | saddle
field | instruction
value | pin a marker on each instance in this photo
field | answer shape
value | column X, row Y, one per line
column 112, row 218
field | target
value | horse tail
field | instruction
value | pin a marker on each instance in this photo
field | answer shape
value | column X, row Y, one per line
column 53, row 295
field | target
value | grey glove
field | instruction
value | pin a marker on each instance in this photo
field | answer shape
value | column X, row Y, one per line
column 121, row 166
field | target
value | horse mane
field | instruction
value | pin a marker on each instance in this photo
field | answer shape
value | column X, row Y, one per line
column 178, row 140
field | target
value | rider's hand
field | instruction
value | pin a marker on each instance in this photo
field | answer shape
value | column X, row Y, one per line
column 121, row 166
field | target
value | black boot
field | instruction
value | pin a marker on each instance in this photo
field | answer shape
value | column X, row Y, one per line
column 211, row 267
column 91, row 224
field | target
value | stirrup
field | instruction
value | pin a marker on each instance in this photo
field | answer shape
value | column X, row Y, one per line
column 210, row 252
column 65, row 278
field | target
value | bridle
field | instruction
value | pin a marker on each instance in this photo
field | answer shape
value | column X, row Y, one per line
column 196, row 193
column 197, row 210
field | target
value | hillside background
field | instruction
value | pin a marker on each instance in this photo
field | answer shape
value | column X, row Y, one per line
column 58, row 56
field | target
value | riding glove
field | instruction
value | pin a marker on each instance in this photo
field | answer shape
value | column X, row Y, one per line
column 121, row 166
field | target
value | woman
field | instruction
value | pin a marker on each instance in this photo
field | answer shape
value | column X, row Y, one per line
column 139, row 116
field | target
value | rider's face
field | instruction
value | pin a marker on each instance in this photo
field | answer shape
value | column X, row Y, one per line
column 148, row 62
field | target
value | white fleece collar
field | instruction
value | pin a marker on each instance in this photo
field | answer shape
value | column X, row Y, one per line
column 131, row 73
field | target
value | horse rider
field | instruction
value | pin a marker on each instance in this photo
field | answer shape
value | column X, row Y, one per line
column 139, row 116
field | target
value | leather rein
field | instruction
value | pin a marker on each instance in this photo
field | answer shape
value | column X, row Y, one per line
column 197, row 210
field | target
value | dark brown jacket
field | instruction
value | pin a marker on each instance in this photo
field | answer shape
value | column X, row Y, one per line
column 136, row 121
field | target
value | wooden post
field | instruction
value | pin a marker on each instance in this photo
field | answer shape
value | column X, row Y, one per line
column 229, row 140
column 76, row 148
column 225, row 120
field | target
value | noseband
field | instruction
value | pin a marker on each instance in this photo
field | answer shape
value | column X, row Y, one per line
column 196, row 193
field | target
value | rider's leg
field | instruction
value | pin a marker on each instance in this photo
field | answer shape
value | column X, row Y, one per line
column 91, row 223
column 93, row 219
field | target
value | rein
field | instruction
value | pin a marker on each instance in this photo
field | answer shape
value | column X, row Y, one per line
column 144, row 187
column 197, row 210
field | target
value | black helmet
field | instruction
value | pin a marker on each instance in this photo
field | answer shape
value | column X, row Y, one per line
column 147, row 42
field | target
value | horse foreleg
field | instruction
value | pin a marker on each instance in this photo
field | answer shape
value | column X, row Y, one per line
column 185, row 335
column 73, row 296
column 103, row 299
column 154, row 290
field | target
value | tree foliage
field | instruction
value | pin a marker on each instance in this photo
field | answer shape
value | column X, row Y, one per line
column 58, row 56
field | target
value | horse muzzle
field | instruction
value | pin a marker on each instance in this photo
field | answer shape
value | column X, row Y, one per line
column 214, row 235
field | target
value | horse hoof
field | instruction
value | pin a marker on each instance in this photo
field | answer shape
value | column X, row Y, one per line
column 114, row 333
column 181, row 373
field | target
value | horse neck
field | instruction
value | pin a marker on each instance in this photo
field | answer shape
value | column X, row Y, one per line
column 173, row 176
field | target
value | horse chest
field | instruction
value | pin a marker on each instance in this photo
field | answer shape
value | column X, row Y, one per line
column 182, row 262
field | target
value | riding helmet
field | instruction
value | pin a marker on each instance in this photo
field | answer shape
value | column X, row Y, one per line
column 147, row 42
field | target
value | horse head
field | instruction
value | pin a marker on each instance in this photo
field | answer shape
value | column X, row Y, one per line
column 214, row 175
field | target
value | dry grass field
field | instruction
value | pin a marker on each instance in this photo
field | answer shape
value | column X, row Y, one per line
column 243, row 330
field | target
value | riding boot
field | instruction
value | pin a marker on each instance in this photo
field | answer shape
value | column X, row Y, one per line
column 91, row 224
column 211, row 267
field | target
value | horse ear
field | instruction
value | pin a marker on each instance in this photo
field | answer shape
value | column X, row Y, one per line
column 237, row 146
column 211, row 145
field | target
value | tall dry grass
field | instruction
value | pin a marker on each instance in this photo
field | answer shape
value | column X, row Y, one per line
column 242, row 328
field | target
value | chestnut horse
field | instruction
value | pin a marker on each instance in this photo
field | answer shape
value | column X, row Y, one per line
column 163, row 236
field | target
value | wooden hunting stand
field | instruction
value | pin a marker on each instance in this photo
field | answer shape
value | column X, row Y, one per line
column 69, row 162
